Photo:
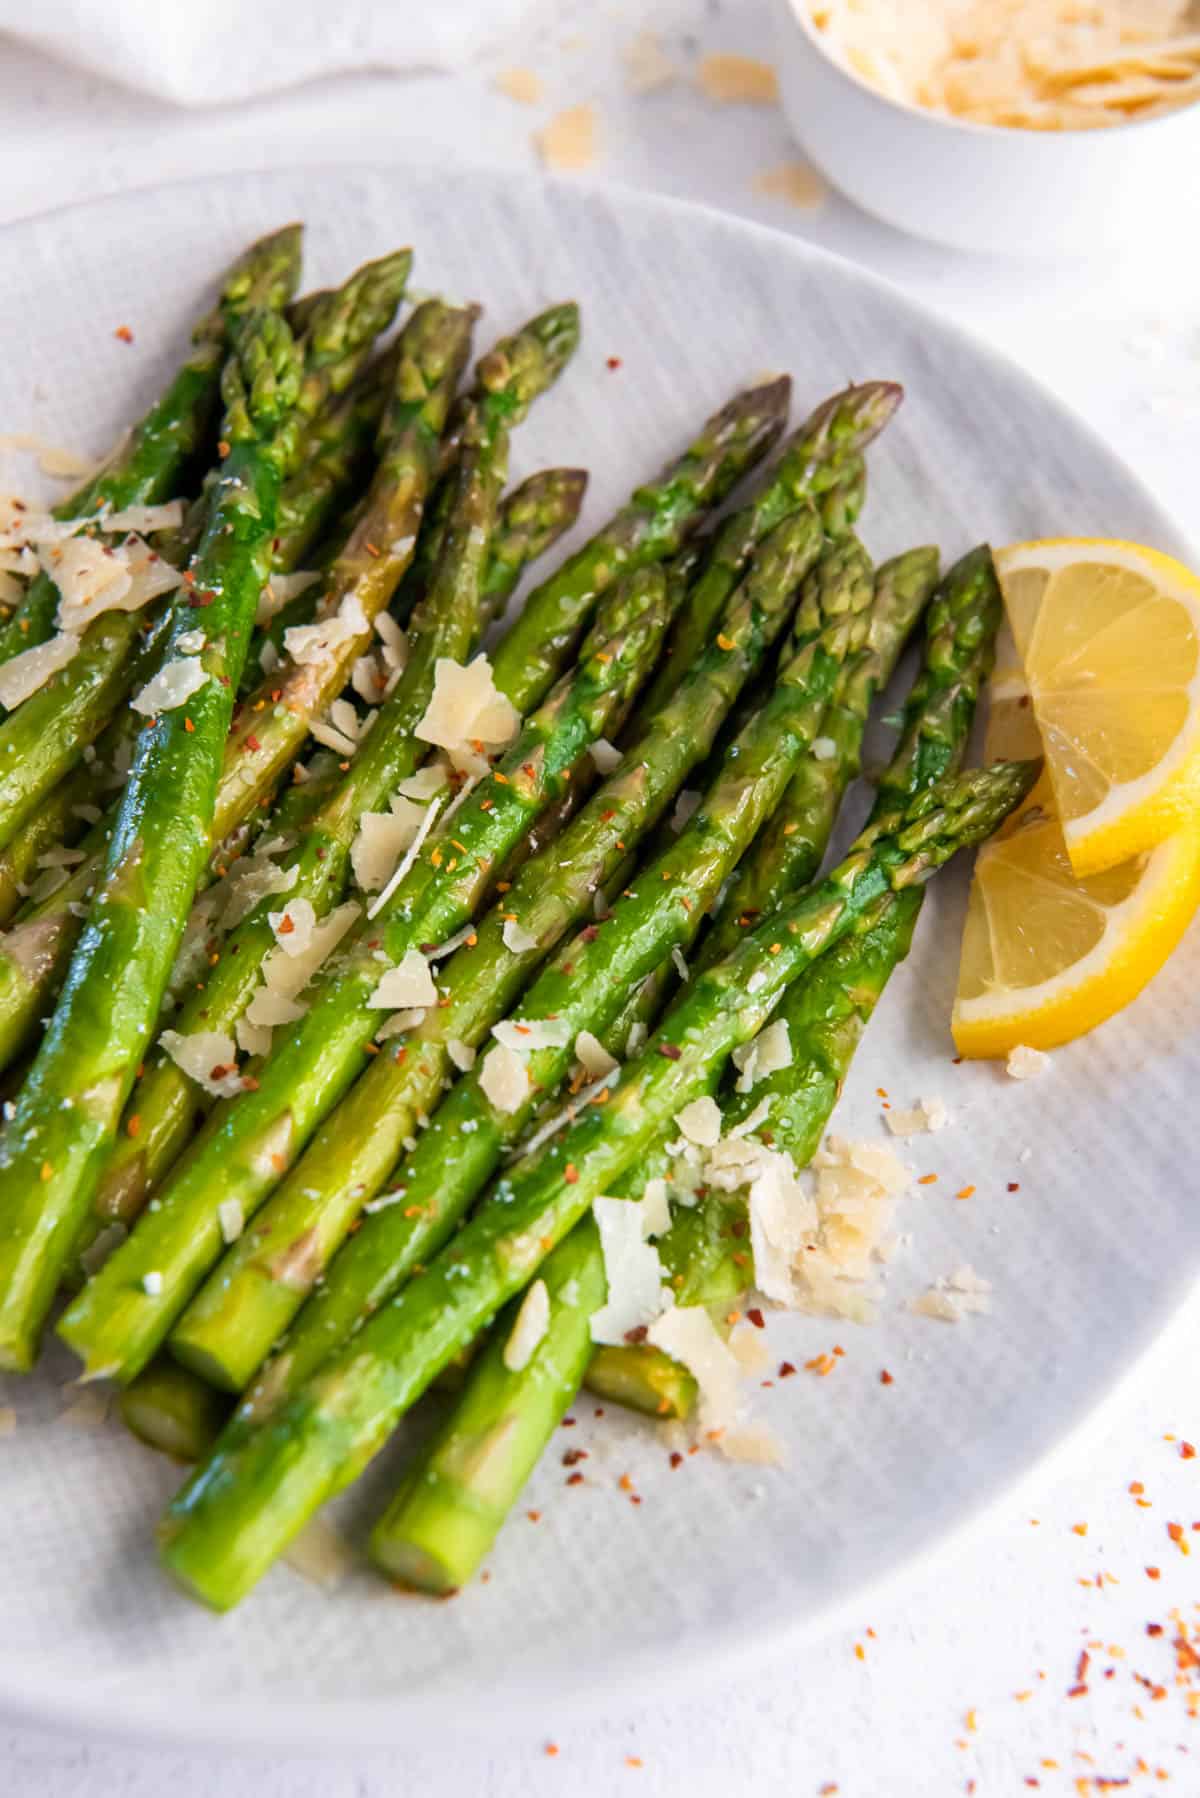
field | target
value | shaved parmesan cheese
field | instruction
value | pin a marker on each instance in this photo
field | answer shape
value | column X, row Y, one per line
column 749, row 1348
column 503, row 1079
column 655, row 1208
column 603, row 754
column 287, row 970
column 399, row 1022
column 461, row 1054
column 393, row 641
column 280, row 591
column 381, row 841
column 312, row 644
column 171, row 687
column 687, row 1334
column 767, row 1053
column 466, row 715
column 516, row 938
column 524, row 1035
column 24, row 674
column 145, row 520
column 231, row 1219
column 368, row 679
column 532, row 1322
column 700, row 1121
column 93, row 577
column 686, row 806
column 427, row 783
column 206, row 1056
column 926, row 1116
column 824, row 749
column 755, row 1443
column 593, row 1057
column 634, row 1273
column 408, row 983
column 252, row 1039
column 407, row 859
column 1023, row 1062
column 190, row 643
column 252, row 879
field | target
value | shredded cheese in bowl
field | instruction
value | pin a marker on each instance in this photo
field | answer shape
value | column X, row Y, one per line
column 1038, row 65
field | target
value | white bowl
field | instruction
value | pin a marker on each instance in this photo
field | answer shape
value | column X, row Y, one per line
column 983, row 187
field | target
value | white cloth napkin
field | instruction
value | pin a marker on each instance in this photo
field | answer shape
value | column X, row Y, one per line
column 210, row 52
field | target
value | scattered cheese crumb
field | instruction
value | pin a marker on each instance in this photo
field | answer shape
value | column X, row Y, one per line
column 797, row 184
column 24, row 674
column 1025, row 1063
column 516, row 938
column 461, row 1054
column 524, row 1035
column 208, row 1057
column 927, row 1115
column 152, row 1285
column 632, row 1270
column 700, row 1121
column 504, row 1079
column 767, row 1053
column 280, row 590
column 382, row 839
column 231, row 1219
column 171, row 687
column 755, row 1443
column 605, row 756
column 408, row 983
column 522, row 85
column 737, row 80
column 568, row 141
column 532, row 1322
column 593, row 1057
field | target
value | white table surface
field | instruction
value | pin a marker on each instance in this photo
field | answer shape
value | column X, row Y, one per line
column 968, row 1674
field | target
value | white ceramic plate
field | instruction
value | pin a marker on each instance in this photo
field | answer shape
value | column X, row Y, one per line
column 1088, row 1258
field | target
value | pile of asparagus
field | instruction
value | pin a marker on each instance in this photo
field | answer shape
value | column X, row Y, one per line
column 275, row 1275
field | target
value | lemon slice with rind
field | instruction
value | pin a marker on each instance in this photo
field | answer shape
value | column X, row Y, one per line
column 1108, row 635
column 1048, row 954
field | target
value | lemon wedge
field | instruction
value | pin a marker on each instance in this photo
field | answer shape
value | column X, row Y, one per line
column 1108, row 635
column 1048, row 954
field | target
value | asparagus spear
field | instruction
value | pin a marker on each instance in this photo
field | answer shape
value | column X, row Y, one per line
column 816, row 459
column 445, row 1517
column 275, row 719
column 790, row 849
column 827, row 1011
column 172, row 1411
column 165, row 1101
column 261, row 1484
column 116, row 1324
column 583, row 987
column 652, row 525
column 46, row 736
column 262, row 1281
column 68, row 1107
column 145, row 468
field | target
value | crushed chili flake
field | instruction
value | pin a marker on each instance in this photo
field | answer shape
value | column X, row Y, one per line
column 756, row 1318
column 1175, row 1531
column 885, row 1378
column 1186, row 1451
column 252, row 743
column 612, row 362
column 965, row 1192
column 1014, row 1186
column 574, row 1479
column 786, row 1369
column 633, row 1760
column 927, row 1180
column 1153, row 1573
column 676, row 1459
column 534, row 1516
column 123, row 333
column 670, row 1051
column 1080, row 1529
column 551, row 1748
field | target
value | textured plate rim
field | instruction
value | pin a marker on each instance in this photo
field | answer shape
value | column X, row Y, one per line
column 335, row 1725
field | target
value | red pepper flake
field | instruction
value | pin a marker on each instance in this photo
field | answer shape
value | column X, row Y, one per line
column 223, row 448
column 670, row 1051
column 198, row 600
column 1153, row 1573
column 189, row 726
column 551, row 1749
column 626, row 1482
column 1136, row 1487
column 612, row 362
column 252, row 743
column 756, row 1318
column 676, row 1459
column 571, row 1173
column 724, row 642
column 860, row 1653
column 1080, row 1529
column 633, row 1760
column 534, row 1516
column 1175, row 1531
column 134, row 1125
column 828, row 1789
column 965, row 1192
column 927, row 1180
column 821, row 1365
column 123, row 334
column 1014, row 1186
column 885, row 1378
column 1154, row 1629
column 1186, row 1452
column 574, row 1479
column 786, row 1370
